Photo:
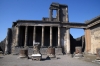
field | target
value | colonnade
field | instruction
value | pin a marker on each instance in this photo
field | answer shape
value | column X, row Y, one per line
column 34, row 36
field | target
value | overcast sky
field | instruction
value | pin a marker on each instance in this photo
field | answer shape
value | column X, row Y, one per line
column 78, row 10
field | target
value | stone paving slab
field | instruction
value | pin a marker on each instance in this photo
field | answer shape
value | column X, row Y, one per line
column 63, row 60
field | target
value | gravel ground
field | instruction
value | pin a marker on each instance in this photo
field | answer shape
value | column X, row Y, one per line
column 63, row 60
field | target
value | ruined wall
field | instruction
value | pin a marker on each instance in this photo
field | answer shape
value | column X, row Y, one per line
column 2, row 45
column 13, row 39
column 65, row 41
column 8, row 41
column 72, row 44
column 64, row 14
column 80, row 41
column 5, row 45
column 95, row 38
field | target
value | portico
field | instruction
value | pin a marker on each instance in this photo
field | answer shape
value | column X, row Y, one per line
column 45, row 35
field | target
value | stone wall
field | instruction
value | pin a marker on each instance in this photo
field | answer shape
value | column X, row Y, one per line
column 2, row 45
column 95, row 38
column 5, row 45
column 72, row 44
column 80, row 41
column 13, row 39
column 8, row 41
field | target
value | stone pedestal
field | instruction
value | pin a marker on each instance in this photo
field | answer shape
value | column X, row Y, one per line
column 16, row 50
column 51, row 52
column 30, row 51
column 36, row 52
column 58, row 51
column 43, row 51
column 78, row 52
column 36, row 57
column 23, row 53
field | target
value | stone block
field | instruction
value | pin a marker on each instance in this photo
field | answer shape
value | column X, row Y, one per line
column 23, row 53
column 98, row 53
column 58, row 51
column 30, row 51
column 16, row 50
column 43, row 51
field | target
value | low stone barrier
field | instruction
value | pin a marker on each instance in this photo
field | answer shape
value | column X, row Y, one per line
column 23, row 53
column 78, row 52
column 51, row 52
column 98, row 53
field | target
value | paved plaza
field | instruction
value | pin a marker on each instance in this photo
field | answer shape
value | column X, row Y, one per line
column 62, row 60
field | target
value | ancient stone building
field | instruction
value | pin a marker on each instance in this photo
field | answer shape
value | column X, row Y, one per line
column 92, row 35
column 52, row 32
column 49, row 32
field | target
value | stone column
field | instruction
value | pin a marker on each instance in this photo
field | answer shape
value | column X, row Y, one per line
column 58, row 14
column 59, row 37
column 68, row 41
column 88, row 46
column 26, row 36
column 17, row 36
column 50, row 36
column 50, row 18
column 42, row 44
column 34, row 34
